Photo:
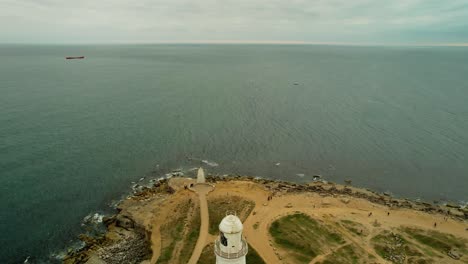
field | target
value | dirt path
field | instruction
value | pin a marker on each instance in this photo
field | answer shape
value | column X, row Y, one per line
column 328, row 209
column 202, row 190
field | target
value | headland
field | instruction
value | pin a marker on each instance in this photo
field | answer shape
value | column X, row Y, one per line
column 318, row 222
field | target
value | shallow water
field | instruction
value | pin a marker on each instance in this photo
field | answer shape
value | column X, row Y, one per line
column 74, row 134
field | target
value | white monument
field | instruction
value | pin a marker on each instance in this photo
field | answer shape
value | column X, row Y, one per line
column 201, row 175
column 230, row 246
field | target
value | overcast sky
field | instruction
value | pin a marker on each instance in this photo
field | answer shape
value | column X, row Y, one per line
column 315, row 21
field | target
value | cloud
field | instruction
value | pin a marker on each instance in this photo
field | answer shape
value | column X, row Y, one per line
column 358, row 21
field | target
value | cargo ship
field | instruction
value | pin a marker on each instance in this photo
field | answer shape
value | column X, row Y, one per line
column 74, row 57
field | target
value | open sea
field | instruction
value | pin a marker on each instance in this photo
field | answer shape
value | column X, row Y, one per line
column 74, row 134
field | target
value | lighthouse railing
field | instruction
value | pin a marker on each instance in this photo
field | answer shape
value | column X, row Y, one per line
column 227, row 255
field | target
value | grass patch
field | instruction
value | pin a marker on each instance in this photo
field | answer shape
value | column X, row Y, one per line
column 208, row 256
column 355, row 227
column 253, row 257
column 303, row 237
column 242, row 207
column 255, row 226
column 173, row 233
column 192, row 237
column 349, row 254
column 395, row 248
column 437, row 241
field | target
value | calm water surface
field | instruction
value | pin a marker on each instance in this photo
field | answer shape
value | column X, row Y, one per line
column 74, row 134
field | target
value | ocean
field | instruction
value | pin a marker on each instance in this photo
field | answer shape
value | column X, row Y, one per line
column 75, row 134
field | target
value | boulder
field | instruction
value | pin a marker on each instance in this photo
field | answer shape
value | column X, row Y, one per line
column 450, row 205
column 345, row 200
column 108, row 220
column 453, row 253
column 456, row 212
column 124, row 222
column 326, row 202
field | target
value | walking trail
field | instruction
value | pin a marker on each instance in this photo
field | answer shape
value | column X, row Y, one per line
column 202, row 189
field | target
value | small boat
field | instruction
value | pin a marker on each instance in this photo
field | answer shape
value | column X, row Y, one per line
column 75, row 57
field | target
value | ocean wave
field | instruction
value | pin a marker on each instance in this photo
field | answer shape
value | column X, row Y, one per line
column 210, row 163
column 95, row 218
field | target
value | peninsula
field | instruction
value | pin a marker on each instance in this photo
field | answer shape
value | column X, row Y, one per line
column 177, row 220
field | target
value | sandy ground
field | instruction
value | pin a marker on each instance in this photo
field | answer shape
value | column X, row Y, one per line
column 324, row 208
column 156, row 211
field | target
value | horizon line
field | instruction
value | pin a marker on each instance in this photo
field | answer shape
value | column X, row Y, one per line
column 261, row 42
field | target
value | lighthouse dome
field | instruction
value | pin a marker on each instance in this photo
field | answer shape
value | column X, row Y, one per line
column 231, row 224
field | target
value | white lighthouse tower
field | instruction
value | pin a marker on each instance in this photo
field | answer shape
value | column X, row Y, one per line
column 230, row 246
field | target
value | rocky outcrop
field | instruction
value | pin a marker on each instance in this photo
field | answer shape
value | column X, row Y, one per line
column 330, row 189
column 125, row 241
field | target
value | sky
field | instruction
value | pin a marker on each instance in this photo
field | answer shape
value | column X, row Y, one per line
column 406, row 22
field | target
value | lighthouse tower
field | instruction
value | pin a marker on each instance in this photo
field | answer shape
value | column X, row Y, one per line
column 230, row 246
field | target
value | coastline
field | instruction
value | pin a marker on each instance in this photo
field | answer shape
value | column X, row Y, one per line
column 134, row 231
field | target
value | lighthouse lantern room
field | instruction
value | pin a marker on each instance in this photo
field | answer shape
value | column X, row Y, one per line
column 230, row 246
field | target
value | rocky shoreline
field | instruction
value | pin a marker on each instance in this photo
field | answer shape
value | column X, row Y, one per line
column 127, row 239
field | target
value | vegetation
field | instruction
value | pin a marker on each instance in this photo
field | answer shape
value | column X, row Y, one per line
column 241, row 206
column 303, row 237
column 179, row 236
column 395, row 248
column 192, row 237
column 208, row 256
column 255, row 226
column 436, row 243
column 355, row 227
column 348, row 254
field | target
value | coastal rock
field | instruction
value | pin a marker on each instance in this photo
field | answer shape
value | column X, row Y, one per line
column 345, row 200
column 132, row 248
column 124, row 222
column 326, row 202
column 453, row 253
column 456, row 212
column 108, row 220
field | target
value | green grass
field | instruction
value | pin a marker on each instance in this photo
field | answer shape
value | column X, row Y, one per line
column 241, row 206
column 170, row 232
column 354, row 227
column 348, row 254
column 253, row 257
column 191, row 238
column 173, row 232
column 208, row 256
column 388, row 244
column 437, row 241
column 303, row 237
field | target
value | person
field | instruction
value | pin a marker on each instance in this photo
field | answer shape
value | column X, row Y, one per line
column 435, row 224
column 388, row 213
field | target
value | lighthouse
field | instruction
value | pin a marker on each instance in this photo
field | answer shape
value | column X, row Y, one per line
column 230, row 246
